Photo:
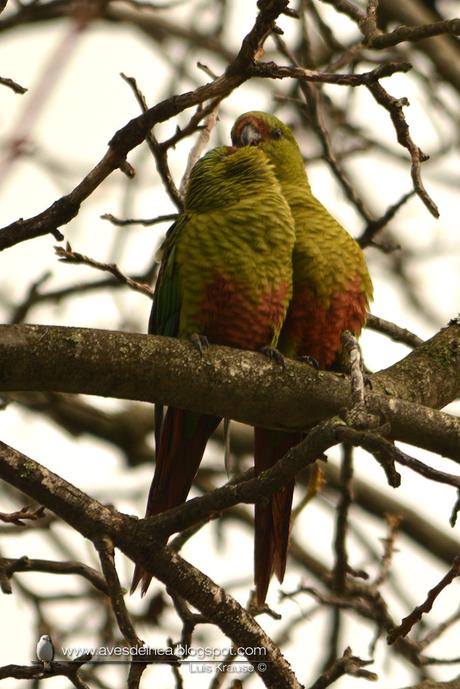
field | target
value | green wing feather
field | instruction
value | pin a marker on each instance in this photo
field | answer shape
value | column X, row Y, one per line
column 165, row 314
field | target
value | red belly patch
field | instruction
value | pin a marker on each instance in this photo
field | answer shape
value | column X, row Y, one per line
column 234, row 317
column 315, row 330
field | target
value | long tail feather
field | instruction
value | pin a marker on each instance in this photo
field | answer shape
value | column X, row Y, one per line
column 272, row 515
column 183, row 440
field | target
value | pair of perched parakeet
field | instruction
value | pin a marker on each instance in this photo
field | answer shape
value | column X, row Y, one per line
column 254, row 261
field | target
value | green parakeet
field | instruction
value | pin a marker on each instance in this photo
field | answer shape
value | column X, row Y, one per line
column 331, row 294
column 226, row 275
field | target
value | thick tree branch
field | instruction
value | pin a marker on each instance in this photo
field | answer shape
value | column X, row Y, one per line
column 240, row 385
column 430, row 375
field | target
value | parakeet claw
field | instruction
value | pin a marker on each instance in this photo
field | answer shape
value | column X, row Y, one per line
column 273, row 354
column 310, row 360
column 200, row 342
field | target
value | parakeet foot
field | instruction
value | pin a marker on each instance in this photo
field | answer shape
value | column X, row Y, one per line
column 200, row 342
column 273, row 354
column 310, row 360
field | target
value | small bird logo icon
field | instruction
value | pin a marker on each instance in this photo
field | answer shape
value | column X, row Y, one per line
column 45, row 651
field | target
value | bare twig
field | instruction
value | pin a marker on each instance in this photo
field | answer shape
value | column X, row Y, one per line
column 58, row 669
column 378, row 447
column 91, row 518
column 67, row 255
column 139, row 221
column 395, row 332
column 341, row 567
column 323, row 28
column 349, row 8
column 197, row 149
column 416, row 615
column 395, row 108
column 387, row 454
column 34, row 297
column 414, row 33
column 188, row 618
column 107, row 557
column 438, row 630
column 389, row 543
column 348, row 664
column 373, row 227
column 24, row 564
column 425, row 470
column 313, row 104
column 25, row 513
column 13, row 85
column 159, row 152
column 455, row 511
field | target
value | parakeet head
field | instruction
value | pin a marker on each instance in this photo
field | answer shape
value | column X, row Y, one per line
column 253, row 128
column 274, row 137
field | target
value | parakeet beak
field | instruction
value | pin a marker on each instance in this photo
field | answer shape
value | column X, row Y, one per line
column 248, row 136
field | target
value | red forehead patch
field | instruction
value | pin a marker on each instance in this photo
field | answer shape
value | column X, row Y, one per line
column 262, row 127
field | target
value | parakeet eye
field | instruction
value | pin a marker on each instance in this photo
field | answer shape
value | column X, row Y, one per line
column 276, row 133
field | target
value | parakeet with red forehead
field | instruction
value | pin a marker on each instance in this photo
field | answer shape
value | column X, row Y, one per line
column 331, row 293
column 225, row 277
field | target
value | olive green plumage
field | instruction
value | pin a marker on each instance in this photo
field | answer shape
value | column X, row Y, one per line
column 226, row 274
column 235, row 252
column 331, row 292
column 326, row 258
